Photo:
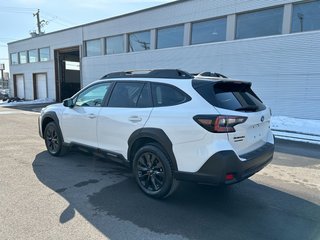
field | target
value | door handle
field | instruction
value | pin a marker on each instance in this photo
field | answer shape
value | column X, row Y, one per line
column 92, row 116
column 135, row 119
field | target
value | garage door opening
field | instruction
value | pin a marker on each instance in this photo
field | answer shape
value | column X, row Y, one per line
column 67, row 67
column 18, row 85
column 40, row 90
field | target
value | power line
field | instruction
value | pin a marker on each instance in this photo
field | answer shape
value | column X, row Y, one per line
column 23, row 12
column 6, row 38
column 5, row 9
column 55, row 20
column 62, row 20
column 17, row 8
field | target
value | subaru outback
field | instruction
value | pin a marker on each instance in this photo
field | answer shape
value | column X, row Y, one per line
column 166, row 125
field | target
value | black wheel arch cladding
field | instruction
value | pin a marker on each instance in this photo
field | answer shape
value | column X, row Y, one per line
column 51, row 115
column 156, row 134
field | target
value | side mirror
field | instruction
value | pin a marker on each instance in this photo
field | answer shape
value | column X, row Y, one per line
column 68, row 102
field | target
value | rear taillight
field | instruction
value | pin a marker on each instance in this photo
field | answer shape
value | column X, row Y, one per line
column 220, row 123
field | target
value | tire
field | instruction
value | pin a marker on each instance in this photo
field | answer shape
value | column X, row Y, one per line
column 153, row 171
column 53, row 140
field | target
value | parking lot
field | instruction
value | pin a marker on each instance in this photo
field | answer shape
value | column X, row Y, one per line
column 80, row 196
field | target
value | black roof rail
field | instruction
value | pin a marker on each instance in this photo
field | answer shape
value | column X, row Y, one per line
column 157, row 73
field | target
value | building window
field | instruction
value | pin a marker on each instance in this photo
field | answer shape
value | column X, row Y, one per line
column 139, row 41
column 33, row 56
column 306, row 17
column 115, row 44
column 260, row 23
column 170, row 37
column 93, row 48
column 14, row 58
column 44, row 54
column 22, row 57
column 209, row 31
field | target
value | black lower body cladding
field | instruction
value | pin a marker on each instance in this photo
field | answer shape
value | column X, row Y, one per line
column 218, row 166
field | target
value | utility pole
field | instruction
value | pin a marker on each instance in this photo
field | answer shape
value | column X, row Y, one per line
column 2, row 67
column 40, row 23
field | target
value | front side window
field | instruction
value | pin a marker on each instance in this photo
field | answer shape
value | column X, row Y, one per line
column 93, row 96
column 23, row 57
column 259, row 23
column 167, row 95
column 125, row 95
column 209, row 31
column 14, row 58
column 170, row 37
column 93, row 48
column 33, row 56
column 44, row 54
column 306, row 16
column 115, row 44
column 139, row 41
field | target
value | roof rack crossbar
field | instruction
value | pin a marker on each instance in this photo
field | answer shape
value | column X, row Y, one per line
column 210, row 75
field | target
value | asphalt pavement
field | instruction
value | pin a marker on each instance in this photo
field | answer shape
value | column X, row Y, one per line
column 80, row 196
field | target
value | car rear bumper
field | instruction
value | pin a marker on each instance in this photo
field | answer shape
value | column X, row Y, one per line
column 215, row 170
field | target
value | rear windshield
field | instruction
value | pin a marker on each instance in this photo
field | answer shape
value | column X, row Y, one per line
column 236, row 96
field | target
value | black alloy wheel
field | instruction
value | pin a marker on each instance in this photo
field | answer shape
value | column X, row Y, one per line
column 150, row 171
column 53, row 140
column 153, row 172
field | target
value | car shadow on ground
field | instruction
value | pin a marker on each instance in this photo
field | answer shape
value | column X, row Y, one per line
column 99, row 189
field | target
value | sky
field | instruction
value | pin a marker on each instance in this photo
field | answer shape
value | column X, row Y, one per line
column 17, row 20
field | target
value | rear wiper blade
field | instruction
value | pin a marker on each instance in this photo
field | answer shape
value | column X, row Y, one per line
column 248, row 108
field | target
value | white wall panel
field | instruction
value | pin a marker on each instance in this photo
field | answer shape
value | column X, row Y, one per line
column 29, row 69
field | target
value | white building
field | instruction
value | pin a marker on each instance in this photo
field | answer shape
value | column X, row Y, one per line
column 273, row 43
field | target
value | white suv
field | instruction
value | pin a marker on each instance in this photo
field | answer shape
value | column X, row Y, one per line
column 166, row 125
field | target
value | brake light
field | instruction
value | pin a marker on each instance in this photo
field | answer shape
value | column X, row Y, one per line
column 220, row 123
column 229, row 177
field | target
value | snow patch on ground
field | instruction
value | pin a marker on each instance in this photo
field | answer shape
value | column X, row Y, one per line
column 295, row 125
column 17, row 103
column 302, row 130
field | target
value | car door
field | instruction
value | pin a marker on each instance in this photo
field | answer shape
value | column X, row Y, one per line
column 79, row 122
column 128, row 109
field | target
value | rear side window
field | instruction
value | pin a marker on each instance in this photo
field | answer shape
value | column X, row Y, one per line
column 145, row 99
column 125, row 95
column 168, row 95
column 236, row 96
